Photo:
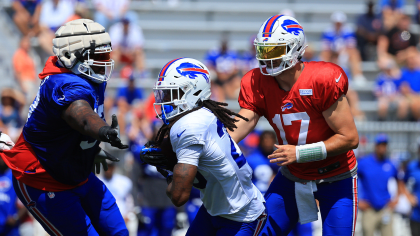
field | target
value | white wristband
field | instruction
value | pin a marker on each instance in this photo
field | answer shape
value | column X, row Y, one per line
column 311, row 152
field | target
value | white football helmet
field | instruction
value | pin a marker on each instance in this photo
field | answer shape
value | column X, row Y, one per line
column 280, row 38
column 181, row 84
column 84, row 47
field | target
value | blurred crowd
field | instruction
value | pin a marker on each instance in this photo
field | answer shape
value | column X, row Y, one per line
column 389, row 186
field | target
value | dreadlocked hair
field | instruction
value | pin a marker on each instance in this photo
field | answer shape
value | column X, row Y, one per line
column 218, row 108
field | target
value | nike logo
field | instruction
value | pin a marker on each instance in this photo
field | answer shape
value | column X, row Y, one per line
column 64, row 96
column 86, row 145
column 179, row 135
column 336, row 80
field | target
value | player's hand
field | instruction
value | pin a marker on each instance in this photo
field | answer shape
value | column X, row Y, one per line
column 284, row 155
column 5, row 142
column 166, row 173
column 151, row 154
column 101, row 157
column 111, row 134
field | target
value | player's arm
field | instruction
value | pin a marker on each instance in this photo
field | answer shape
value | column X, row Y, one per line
column 340, row 120
column 81, row 117
column 180, row 188
column 244, row 127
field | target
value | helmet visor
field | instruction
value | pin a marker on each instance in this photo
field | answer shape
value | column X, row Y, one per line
column 266, row 52
column 166, row 95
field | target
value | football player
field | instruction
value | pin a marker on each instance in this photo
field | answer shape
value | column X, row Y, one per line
column 53, row 158
column 306, row 104
column 208, row 158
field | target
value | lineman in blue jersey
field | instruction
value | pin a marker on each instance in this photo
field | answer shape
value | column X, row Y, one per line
column 53, row 159
column 208, row 158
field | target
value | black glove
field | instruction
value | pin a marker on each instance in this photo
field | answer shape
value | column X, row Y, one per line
column 152, row 155
column 166, row 173
column 101, row 157
column 111, row 134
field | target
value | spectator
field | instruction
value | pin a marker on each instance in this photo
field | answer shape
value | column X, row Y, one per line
column 398, row 42
column 417, row 12
column 127, row 44
column 368, row 29
column 249, row 61
column 54, row 14
column 263, row 170
column 387, row 90
column 309, row 54
column 391, row 4
column 410, row 83
column 109, row 12
column 11, row 104
column 224, row 63
column 340, row 39
column 120, row 186
column 24, row 69
column 412, row 179
column 127, row 98
column 26, row 16
column 10, row 215
column 374, row 171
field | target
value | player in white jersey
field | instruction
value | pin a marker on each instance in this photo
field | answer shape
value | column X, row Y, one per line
column 208, row 158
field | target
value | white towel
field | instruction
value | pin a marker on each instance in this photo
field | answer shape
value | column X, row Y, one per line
column 305, row 201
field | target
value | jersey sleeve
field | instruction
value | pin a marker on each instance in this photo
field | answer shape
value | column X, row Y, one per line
column 186, row 135
column 63, row 94
column 250, row 95
column 190, row 155
column 330, row 84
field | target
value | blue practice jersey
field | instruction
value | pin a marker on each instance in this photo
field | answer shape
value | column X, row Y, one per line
column 7, row 202
column 64, row 153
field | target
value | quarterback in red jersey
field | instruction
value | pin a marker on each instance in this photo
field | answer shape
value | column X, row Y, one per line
column 306, row 104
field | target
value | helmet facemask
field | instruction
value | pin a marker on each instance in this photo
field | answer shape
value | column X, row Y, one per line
column 275, row 58
column 97, row 65
column 171, row 100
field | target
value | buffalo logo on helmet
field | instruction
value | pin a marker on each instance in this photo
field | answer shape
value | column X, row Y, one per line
column 288, row 105
column 191, row 71
column 265, row 40
column 292, row 27
column 51, row 195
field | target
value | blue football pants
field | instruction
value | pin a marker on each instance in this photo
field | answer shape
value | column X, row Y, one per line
column 206, row 225
column 337, row 203
column 87, row 210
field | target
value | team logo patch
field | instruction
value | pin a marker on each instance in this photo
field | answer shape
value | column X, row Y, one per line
column 305, row 92
column 265, row 40
column 292, row 27
column 51, row 195
column 191, row 71
column 31, row 205
column 288, row 105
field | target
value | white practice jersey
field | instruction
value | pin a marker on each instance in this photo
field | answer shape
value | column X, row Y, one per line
column 224, row 176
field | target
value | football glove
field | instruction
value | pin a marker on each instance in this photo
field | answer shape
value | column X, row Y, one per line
column 152, row 155
column 5, row 142
column 166, row 173
column 101, row 157
column 111, row 134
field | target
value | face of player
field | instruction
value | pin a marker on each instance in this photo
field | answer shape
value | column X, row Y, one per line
column 168, row 96
column 99, row 57
column 273, row 64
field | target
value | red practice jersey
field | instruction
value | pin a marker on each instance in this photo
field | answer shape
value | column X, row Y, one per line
column 296, row 115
